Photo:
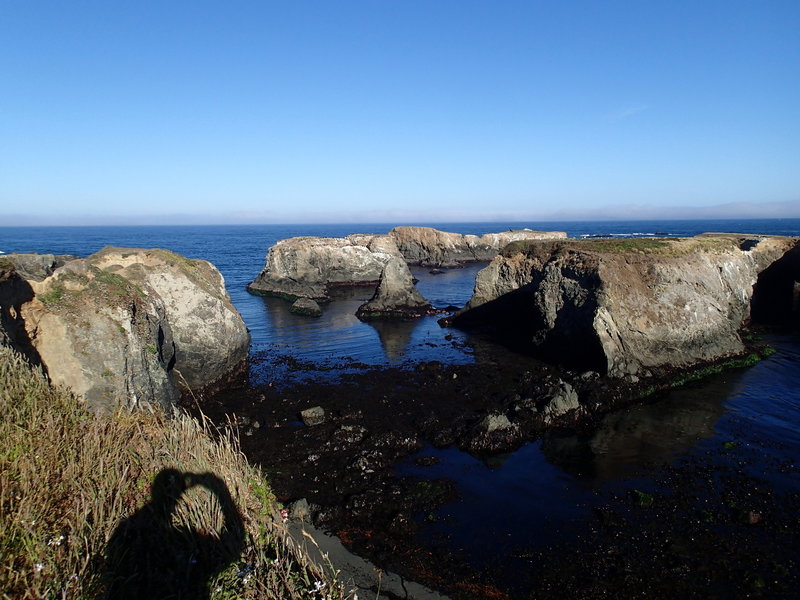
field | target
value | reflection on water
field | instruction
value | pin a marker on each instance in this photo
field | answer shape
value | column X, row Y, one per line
column 537, row 495
column 328, row 342
column 395, row 337
column 654, row 433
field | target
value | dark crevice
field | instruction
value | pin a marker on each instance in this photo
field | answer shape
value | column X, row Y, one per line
column 776, row 294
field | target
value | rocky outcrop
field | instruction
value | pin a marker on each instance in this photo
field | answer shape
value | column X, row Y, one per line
column 37, row 266
column 130, row 327
column 624, row 307
column 433, row 248
column 308, row 267
column 396, row 296
column 306, row 307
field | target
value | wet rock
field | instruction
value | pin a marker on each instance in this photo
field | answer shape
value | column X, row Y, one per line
column 313, row 416
column 347, row 435
column 299, row 510
column 563, row 400
column 493, row 433
column 495, row 422
column 306, row 307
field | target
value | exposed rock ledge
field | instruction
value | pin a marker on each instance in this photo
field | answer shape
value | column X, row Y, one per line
column 623, row 307
column 309, row 267
column 124, row 327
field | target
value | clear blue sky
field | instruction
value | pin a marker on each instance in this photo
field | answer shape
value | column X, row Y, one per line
column 396, row 110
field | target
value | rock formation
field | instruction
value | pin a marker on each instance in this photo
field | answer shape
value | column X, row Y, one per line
column 37, row 266
column 309, row 267
column 430, row 247
column 396, row 296
column 624, row 307
column 128, row 327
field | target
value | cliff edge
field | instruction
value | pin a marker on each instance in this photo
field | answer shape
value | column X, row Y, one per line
column 623, row 307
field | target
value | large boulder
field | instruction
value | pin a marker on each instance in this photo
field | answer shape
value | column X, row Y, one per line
column 433, row 248
column 309, row 267
column 396, row 295
column 130, row 327
column 623, row 307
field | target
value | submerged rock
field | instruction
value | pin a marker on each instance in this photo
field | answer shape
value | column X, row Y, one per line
column 131, row 327
column 306, row 307
column 396, row 296
column 623, row 307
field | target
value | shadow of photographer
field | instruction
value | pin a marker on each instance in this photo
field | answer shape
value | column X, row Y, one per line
column 148, row 556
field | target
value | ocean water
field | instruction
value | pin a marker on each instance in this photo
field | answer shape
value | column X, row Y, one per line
column 545, row 487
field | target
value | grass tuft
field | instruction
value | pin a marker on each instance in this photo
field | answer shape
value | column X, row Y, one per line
column 68, row 478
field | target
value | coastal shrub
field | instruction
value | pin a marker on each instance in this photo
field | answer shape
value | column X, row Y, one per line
column 69, row 478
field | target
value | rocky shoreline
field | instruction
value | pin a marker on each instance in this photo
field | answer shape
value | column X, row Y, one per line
column 598, row 325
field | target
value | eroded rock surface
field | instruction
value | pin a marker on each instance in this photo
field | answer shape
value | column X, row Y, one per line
column 308, row 267
column 130, row 327
column 623, row 307
column 433, row 248
column 396, row 295
column 311, row 267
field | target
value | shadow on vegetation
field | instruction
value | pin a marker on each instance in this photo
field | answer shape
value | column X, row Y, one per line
column 149, row 556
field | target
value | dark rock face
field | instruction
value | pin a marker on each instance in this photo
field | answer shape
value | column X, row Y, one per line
column 131, row 327
column 396, row 295
column 623, row 307
column 14, row 292
column 38, row 266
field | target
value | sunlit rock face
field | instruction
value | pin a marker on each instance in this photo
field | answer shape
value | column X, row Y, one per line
column 433, row 248
column 623, row 307
column 132, row 327
column 309, row 267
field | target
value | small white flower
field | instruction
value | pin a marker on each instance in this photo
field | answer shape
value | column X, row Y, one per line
column 38, row 567
column 318, row 585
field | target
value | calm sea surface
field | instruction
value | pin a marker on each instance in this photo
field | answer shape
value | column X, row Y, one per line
column 544, row 486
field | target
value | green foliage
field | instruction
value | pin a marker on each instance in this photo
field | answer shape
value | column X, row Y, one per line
column 698, row 374
column 55, row 295
column 643, row 499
